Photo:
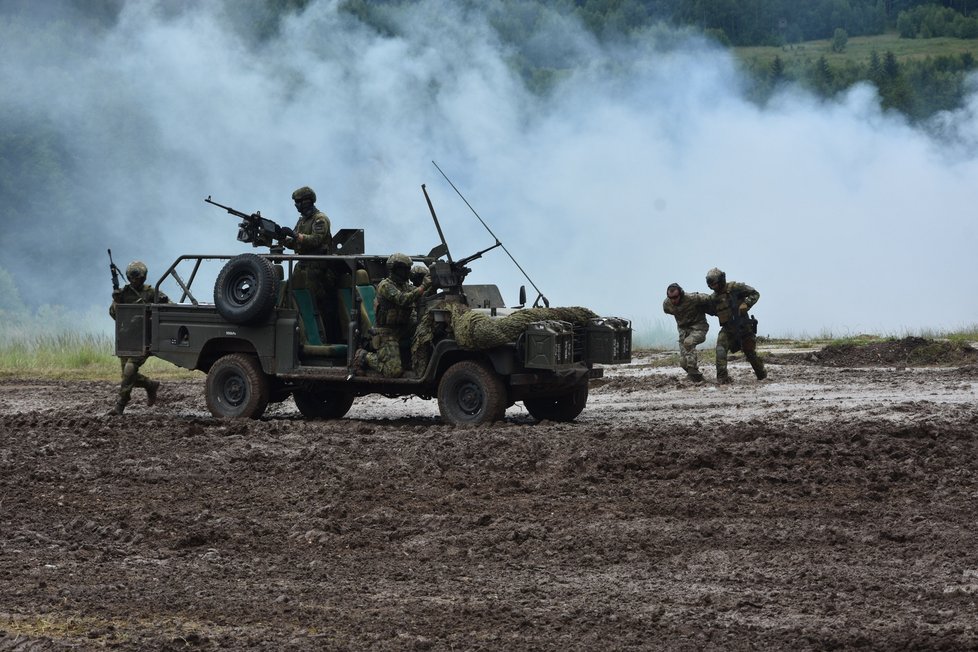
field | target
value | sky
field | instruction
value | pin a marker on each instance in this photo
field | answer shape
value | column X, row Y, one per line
column 645, row 165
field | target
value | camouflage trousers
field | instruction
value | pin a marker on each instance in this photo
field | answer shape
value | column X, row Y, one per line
column 421, row 345
column 131, row 377
column 748, row 344
column 689, row 338
column 387, row 359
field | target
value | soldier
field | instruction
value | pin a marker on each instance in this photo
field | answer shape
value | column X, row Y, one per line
column 418, row 272
column 312, row 236
column 135, row 292
column 732, row 301
column 690, row 312
column 396, row 300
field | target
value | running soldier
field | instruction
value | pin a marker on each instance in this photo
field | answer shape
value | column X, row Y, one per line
column 136, row 291
column 732, row 301
column 690, row 311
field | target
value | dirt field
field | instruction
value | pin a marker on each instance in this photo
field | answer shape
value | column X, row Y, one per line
column 830, row 506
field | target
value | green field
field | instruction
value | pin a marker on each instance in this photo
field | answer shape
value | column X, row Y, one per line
column 858, row 50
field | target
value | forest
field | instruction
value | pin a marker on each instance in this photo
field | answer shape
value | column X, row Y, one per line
column 917, row 54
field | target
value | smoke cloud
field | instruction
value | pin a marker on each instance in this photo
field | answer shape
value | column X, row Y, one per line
column 645, row 164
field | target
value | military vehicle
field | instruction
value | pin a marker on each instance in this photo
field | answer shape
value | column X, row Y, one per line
column 266, row 338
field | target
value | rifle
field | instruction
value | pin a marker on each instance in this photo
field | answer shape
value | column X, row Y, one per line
column 115, row 273
column 254, row 229
column 742, row 324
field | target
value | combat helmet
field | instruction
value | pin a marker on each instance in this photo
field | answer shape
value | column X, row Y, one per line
column 304, row 193
column 396, row 260
column 136, row 270
column 716, row 276
column 418, row 272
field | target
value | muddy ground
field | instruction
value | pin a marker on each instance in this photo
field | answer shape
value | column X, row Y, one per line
column 830, row 506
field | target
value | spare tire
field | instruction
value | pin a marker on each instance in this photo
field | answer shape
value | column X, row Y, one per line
column 246, row 289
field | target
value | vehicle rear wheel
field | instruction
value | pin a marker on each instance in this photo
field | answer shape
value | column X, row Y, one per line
column 322, row 404
column 565, row 407
column 246, row 289
column 237, row 387
column 472, row 393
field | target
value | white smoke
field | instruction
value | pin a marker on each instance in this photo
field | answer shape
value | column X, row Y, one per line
column 644, row 165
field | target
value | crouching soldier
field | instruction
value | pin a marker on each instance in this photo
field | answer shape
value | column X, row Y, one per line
column 732, row 301
column 690, row 310
column 135, row 292
column 397, row 300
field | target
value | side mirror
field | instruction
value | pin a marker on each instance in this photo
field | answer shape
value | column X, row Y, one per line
column 522, row 296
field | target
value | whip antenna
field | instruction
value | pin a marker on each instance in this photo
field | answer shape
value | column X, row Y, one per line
column 499, row 243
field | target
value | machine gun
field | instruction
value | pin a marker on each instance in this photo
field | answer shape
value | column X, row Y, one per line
column 449, row 276
column 116, row 273
column 254, row 229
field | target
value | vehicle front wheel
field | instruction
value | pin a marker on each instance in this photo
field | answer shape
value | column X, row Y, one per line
column 237, row 387
column 471, row 393
column 322, row 404
column 565, row 407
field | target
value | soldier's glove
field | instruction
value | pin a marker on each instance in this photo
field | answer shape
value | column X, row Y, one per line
column 743, row 309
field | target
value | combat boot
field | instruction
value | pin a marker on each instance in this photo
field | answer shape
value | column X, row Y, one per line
column 723, row 378
column 694, row 376
column 151, row 389
column 119, row 408
column 760, row 373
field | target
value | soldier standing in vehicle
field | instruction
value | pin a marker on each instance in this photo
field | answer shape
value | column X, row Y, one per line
column 312, row 236
column 690, row 310
column 136, row 291
column 732, row 301
column 397, row 299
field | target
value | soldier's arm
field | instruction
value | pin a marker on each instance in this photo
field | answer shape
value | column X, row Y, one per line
column 667, row 307
column 399, row 297
column 749, row 295
column 318, row 236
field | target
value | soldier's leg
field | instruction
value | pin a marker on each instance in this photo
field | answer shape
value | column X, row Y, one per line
column 125, row 387
column 693, row 338
column 723, row 345
column 421, row 346
column 387, row 359
column 750, row 352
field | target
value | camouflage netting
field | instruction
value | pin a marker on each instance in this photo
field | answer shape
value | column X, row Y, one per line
column 477, row 330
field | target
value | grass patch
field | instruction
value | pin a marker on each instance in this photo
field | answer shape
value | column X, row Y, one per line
column 72, row 356
column 858, row 50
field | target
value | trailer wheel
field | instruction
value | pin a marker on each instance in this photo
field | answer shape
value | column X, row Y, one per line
column 565, row 407
column 322, row 404
column 246, row 289
column 471, row 393
column 237, row 387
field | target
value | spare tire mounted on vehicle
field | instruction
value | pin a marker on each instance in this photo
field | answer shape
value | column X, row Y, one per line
column 246, row 289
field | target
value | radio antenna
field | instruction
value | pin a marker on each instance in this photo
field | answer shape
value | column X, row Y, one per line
column 499, row 243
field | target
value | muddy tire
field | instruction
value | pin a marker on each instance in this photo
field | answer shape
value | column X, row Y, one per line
column 322, row 404
column 246, row 289
column 237, row 387
column 565, row 407
column 471, row 393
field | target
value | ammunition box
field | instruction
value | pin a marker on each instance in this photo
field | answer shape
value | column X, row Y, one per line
column 608, row 340
column 549, row 345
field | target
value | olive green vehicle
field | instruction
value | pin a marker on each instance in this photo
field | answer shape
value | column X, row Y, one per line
column 265, row 337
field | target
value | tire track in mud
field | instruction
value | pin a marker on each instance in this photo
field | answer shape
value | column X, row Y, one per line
column 822, row 508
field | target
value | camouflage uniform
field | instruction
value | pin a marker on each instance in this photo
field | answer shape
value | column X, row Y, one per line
column 135, row 293
column 690, row 316
column 395, row 306
column 727, row 301
column 313, row 237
